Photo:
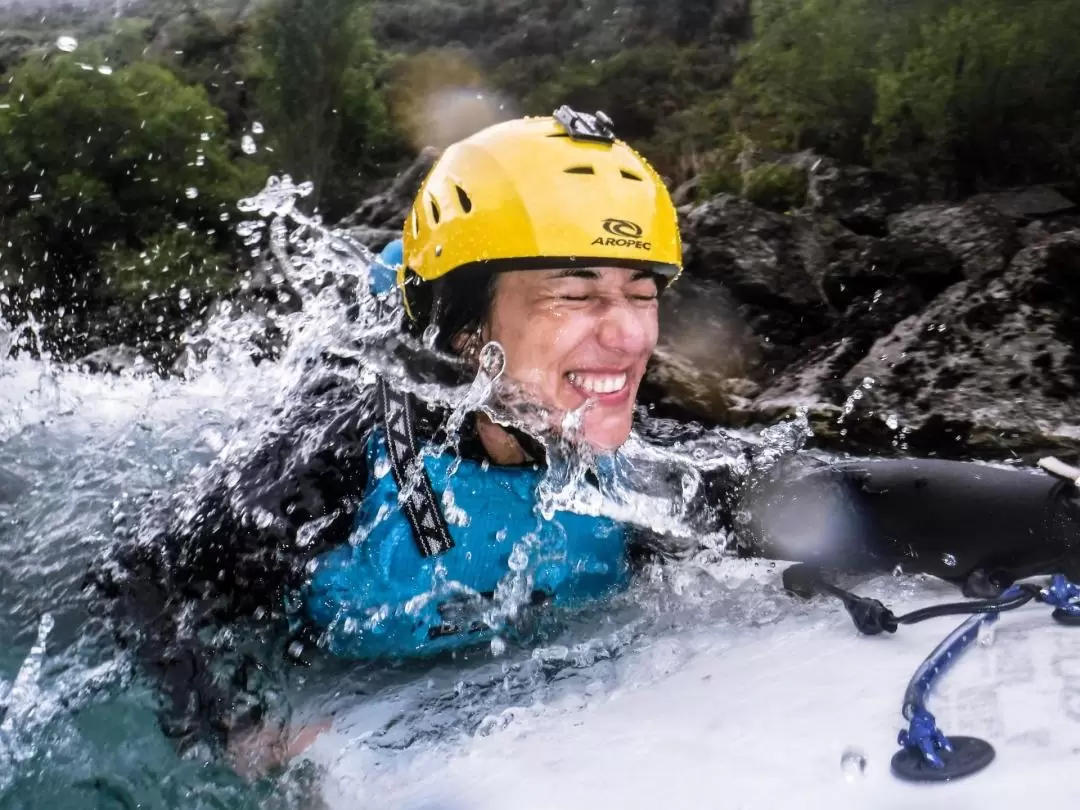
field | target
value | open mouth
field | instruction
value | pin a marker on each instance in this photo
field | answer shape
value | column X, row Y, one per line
column 597, row 384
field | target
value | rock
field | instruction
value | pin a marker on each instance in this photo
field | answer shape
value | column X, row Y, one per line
column 990, row 368
column 888, row 269
column 886, row 281
column 685, row 390
column 705, row 352
column 390, row 208
column 862, row 199
column 801, row 283
column 980, row 236
column 768, row 263
column 686, row 192
column 1027, row 203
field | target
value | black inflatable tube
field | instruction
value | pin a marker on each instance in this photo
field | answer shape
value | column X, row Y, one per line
column 950, row 519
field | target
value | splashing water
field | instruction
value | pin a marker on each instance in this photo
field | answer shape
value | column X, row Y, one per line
column 81, row 453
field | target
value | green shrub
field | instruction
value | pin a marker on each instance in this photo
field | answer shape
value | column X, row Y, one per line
column 968, row 91
column 775, row 186
column 99, row 164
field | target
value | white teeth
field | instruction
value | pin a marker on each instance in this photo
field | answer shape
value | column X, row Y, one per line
column 598, row 383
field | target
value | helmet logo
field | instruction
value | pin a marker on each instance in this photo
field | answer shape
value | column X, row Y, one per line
column 624, row 234
column 624, row 228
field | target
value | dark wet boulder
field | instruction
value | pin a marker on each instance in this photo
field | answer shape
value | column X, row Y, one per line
column 861, row 198
column 800, row 283
column 768, row 263
column 699, row 369
column 979, row 235
column 1026, row 204
column 991, row 367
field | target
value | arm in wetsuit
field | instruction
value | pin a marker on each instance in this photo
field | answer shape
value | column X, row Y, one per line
column 950, row 519
column 231, row 551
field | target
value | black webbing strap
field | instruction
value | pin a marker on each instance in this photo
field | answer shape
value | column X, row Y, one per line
column 421, row 507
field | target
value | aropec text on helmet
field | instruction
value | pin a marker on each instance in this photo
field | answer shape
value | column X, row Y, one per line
column 625, row 234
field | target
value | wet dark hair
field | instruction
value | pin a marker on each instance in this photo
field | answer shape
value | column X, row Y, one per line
column 457, row 303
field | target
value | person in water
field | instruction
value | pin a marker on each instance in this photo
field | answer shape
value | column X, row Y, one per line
column 550, row 239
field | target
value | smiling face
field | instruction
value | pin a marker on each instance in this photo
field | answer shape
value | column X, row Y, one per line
column 572, row 336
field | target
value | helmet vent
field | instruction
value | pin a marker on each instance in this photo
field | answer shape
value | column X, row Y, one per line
column 435, row 210
column 630, row 175
column 415, row 222
column 463, row 198
column 581, row 170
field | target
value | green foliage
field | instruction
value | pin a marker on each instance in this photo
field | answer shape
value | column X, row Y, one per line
column 775, row 186
column 720, row 172
column 658, row 96
column 209, row 50
column 316, row 64
column 177, row 263
column 808, row 77
column 970, row 91
column 97, row 165
column 988, row 89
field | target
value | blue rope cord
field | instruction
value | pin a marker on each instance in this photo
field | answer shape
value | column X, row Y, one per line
column 923, row 737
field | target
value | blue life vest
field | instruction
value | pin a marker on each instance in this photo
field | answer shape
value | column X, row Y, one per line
column 379, row 596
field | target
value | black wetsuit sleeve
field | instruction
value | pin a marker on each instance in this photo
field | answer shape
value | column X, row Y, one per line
column 950, row 519
column 232, row 546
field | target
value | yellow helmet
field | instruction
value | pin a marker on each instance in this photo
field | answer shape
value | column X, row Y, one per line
column 537, row 193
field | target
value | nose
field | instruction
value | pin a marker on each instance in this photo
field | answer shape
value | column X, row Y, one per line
column 627, row 329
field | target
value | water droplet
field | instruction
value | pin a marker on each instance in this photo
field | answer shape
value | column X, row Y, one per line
column 986, row 633
column 519, row 559
column 853, row 764
column 492, row 360
column 257, row 128
column 892, row 422
column 105, row 70
column 438, row 250
column 224, row 216
column 431, row 333
column 498, row 646
column 949, row 560
column 191, row 192
column 247, row 145
column 205, row 136
column 898, row 570
column 35, row 197
column 66, row 44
